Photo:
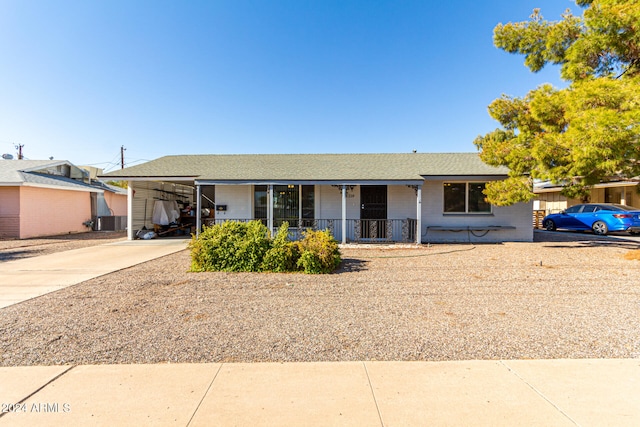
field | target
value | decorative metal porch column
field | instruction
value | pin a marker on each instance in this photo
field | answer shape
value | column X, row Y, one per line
column 419, row 214
column 130, row 210
column 344, row 214
column 198, row 210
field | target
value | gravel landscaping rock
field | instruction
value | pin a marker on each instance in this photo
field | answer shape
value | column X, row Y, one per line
column 541, row 300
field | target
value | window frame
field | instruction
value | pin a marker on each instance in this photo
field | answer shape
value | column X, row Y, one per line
column 305, row 205
column 467, row 191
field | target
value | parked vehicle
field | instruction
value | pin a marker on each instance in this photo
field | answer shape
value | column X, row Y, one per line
column 601, row 218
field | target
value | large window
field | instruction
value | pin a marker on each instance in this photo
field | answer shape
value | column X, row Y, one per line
column 291, row 203
column 465, row 197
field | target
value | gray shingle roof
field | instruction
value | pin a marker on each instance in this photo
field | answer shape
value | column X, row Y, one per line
column 11, row 171
column 41, row 179
column 21, row 172
column 316, row 167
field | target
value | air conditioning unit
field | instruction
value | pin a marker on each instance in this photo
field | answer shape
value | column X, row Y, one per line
column 110, row 223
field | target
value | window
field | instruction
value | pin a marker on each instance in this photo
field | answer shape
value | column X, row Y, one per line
column 465, row 197
column 291, row 203
column 260, row 202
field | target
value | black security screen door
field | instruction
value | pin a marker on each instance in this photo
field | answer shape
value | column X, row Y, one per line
column 373, row 199
column 373, row 211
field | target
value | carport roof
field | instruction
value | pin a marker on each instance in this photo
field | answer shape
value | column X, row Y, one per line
column 311, row 167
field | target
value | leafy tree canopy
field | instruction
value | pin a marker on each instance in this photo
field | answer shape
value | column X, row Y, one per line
column 580, row 135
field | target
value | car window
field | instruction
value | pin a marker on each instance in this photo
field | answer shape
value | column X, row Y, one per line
column 609, row 208
column 574, row 209
column 589, row 208
column 625, row 207
column 597, row 208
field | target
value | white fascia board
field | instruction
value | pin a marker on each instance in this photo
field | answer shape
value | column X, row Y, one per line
column 147, row 178
column 55, row 187
column 310, row 182
column 464, row 177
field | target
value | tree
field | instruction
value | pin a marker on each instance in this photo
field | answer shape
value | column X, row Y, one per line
column 581, row 135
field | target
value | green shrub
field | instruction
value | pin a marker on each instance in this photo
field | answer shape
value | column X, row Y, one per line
column 230, row 246
column 236, row 246
column 283, row 255
column 319, row 252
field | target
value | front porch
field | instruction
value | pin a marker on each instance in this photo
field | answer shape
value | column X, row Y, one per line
column 357, row 230
column 353, row 212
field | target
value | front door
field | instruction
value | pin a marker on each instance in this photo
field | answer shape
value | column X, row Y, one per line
column 373, row 211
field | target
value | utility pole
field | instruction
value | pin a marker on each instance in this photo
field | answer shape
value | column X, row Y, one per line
column 122, row 150
column 19, row 148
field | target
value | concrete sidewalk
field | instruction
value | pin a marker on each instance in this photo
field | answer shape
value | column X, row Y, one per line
column 28, row 278
column 479, row 393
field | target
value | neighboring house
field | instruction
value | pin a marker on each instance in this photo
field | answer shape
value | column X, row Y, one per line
column 550, row 200
column 47, row 197
column 413, row 197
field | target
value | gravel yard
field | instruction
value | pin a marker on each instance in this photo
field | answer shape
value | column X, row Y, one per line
column 17, row 249
column 551, row 299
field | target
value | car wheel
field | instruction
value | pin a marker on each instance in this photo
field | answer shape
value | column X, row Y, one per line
column 600, row 228
column 550, row 225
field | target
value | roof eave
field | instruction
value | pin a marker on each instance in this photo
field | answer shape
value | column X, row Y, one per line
column 465, row 177
column 311, row 182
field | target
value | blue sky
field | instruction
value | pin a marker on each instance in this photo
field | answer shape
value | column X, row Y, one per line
column 79, row 79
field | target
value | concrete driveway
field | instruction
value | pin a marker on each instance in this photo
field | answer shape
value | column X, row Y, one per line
column 28, row 278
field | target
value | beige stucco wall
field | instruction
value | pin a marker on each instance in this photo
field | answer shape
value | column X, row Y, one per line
column 9, row 212
column 117, row 203
column 47, row 211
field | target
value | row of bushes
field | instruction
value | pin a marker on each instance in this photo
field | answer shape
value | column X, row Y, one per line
column 237, row 246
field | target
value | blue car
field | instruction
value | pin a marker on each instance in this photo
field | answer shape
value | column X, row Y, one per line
column 599, row 217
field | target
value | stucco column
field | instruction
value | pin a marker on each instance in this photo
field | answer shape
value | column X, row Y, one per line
column 344, row 214
column 198, row 210
column 130, row 234
column 419, row 215
column 270, row 208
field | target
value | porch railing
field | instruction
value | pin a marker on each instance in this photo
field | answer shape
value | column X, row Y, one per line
column 358, row 230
